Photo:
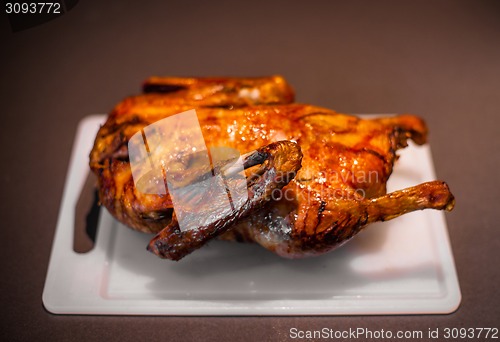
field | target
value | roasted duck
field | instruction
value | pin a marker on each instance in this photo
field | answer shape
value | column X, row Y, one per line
column 314, row 177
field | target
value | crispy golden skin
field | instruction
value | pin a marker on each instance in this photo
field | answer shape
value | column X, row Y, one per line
column 337, row 174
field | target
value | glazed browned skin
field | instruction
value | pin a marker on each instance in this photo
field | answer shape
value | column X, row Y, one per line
column 340, row 187
column 161, row 92
column 109, row 157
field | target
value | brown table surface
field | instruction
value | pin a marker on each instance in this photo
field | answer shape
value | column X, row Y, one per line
column 438, row 59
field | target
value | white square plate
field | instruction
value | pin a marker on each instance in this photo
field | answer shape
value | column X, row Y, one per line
column 404, row 266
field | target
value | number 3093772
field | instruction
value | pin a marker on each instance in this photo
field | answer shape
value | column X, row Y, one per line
column 32, row 7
